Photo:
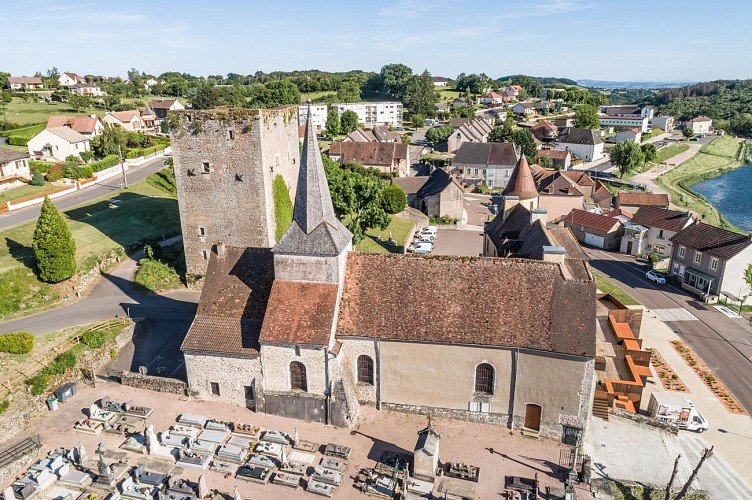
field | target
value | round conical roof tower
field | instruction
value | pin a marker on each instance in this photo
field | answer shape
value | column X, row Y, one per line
column 521, row 183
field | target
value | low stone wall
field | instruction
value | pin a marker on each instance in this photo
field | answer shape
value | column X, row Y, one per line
column 157, row 384
column 644, row 419
column 470, row 416
column 13, row 470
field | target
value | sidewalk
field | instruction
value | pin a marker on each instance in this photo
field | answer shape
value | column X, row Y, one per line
column 730, row 434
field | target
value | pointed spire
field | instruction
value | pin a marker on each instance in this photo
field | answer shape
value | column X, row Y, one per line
column 521, row 182
column 313, row 202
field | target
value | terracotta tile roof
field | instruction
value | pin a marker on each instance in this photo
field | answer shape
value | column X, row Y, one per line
column 526, row 304
column 616, row 212
column 554, row 154
column 125, row 116
column 233, row 302
column 597, row 222
column 712, row 240
column 25, row 80
column 299, row 313
column 661, row 218
column 693, row 120
column 161, row 104
column 81, row 124
column 521, row 182
column 369, row 153
column 486, row 153
column 581, row 178
column 640, row 199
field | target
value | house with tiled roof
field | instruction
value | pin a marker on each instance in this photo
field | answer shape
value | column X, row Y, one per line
column 310, row 329
column 391, row 157
column 559, row 158
column 439, row 81
column 489, row 163
column 651, row 231
column 441, row 195
column 379, row 133
column 633, row 200
column 711, row 261
column 491, row 98
column 581, row 142
column 544, row 130
column 162, row 106
column 57, row 143
column 700, row 124
column 595, row 230
column 14, row 169
column 523, row 109
column 87, row 90
column 24, row 83
column 475, row 131
column 631, row 134
column 129, row 121
column 70, row 79
column 87, row 125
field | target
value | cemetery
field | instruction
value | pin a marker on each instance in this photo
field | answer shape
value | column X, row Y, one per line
column 162, row 446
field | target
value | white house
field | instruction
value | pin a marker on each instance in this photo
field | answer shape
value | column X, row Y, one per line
column 523, row 109
column 160, row 107
column 700, row 125
column 57, row 143
column 127, row 120
column 88, row 126
column 473, row 131
column 624, row 122
column 665, row 123
column 632, row 134
column 87, row 89
column 652, row 232
column 581, row 142
column 14, row 168
column 491, row 98
column 25, row 82
column 374, row 113
column 318, row 116
column 70, row 79
column 440, row 81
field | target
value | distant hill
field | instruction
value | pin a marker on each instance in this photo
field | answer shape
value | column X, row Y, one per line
column 727, row 102
column 606, row 84
column 543, row 80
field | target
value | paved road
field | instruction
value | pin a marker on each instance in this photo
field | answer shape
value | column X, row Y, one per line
column 11, row 219
column 723, row 343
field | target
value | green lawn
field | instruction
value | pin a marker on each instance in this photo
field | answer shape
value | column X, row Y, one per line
column 34, row 112
column 670, row 151
column 400, row 230
column 654, row 132
column 26, row 132
column 124, row 219
column 722, row 146
column 607, row 286
column 28, row 190
column 447, row 94
column 702, row 166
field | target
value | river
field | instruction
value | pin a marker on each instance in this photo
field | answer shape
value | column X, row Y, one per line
column 730, row 193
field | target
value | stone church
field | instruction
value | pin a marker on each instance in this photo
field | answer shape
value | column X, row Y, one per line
column 307, row 328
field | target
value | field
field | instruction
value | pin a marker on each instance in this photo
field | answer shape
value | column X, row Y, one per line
column 447, row 94
column 606, row 286
column 123, row 220
column 304, row 96
column 399, row 229
column 34, row 112
column 713, row 158
column 26, row 132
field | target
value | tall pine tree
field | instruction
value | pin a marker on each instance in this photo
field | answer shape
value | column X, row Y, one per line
column 53, row 245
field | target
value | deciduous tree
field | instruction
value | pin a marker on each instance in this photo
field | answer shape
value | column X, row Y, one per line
column 524, row 139
column 421, row 94
column 349, row 121
column 53, row 245
column 503, row 133
column 332, row 123
column 439, row 134
column 206, row 97
column 586, row 116
column 394, row 79
column 626, row 156
column 348, row 91
column 395, row 198
column 649, row 151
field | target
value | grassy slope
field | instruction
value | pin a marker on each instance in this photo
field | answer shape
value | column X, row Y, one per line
column 400, row 230
column 606, row 286
column 143, row 212
column 28, row 113
column 670, row 151
column 26, row 132
column 713, row 157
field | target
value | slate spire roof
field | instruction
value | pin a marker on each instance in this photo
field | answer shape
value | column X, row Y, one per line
column 521, row 182
column 315, row 229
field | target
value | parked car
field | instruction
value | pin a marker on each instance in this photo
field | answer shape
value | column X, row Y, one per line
column 659, row 278
column 431, row 230
column 424, row 239
column 423, row 248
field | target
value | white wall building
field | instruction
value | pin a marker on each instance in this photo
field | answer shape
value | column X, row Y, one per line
column 318, row 116
column 665, row 123
column 58, row 143
column 700, row 125
column 374, row 113
column 622, row 122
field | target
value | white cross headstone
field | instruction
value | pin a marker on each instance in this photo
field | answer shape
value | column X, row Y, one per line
column 202, row 489
column 83, row 457
column 283, row 457
column 296, row 438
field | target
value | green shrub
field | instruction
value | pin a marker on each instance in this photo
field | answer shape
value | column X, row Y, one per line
column 481, row 188
column 106, row 162
column 55, row 172
column 4, row 406
column 37, row 178
column 133, row 153
column 93, row 339
column 42, row 166
column 61, row 364
column 15, row 140
column 394, row 198
column 38, row 383
column 653, row 258
column 164, row 180
column 156, row 276
column 16, row 342
column 87, row 156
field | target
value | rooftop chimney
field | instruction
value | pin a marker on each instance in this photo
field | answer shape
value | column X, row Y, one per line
column 509, row 203
column 221, row 250
column 554, row 254
column 540, row 214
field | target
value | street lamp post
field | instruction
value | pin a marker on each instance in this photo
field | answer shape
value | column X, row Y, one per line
column 122, row 167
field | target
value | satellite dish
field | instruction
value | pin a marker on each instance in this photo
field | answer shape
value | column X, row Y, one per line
column 142, row 370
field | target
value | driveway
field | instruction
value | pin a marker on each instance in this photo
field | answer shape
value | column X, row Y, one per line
column 723, row 343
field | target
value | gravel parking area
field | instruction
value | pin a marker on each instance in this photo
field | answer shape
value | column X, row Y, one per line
column 496, row 450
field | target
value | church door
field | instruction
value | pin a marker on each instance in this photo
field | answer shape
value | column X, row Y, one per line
column 532, row 417
column 298, row 380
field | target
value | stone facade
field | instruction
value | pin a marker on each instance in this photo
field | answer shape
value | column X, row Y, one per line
column 231, row 374
column 276, row 360
column 351, row 350
column 156, row 384
column 227, row 159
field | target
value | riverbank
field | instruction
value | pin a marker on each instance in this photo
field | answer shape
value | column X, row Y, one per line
column 714, row 159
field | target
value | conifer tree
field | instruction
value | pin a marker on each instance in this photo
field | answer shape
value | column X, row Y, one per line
column 53, row 244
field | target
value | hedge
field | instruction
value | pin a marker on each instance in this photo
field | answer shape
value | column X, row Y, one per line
column 106, row 162
column 135, row 153
column 93, row 339
column 42, row 166
column 16, row 342
column 15, row 140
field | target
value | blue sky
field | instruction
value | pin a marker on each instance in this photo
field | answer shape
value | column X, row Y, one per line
column 596, row 39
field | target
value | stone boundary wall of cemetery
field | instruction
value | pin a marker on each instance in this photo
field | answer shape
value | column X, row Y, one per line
column 152, row 383
column 24, row 407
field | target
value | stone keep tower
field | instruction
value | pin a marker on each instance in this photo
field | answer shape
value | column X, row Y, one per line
column 225, row 163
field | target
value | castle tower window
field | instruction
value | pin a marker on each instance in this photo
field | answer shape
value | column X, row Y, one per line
column 231, row 135
column 298, row 380
column 484, row 379
column 214, row 388
column 365, row 370
column 206, row 168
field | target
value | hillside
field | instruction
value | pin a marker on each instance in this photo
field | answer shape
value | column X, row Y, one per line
column 611, row 85
column 727, row 102
column 543, row 80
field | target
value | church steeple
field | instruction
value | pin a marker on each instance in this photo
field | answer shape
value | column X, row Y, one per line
column 315, row 230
